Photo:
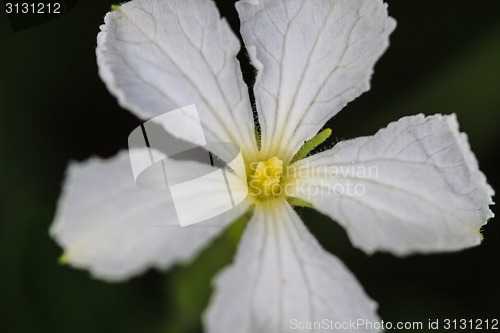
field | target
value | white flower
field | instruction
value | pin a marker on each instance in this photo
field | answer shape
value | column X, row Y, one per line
column 312, row 58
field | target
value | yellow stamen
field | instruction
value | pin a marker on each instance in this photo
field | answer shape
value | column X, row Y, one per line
column 264, row 183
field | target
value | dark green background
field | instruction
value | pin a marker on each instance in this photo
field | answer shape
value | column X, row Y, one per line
column 444, row 57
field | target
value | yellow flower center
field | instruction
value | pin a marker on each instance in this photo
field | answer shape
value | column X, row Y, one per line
column 264, row 183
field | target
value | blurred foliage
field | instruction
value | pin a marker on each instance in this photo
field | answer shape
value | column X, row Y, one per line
column 444, row 57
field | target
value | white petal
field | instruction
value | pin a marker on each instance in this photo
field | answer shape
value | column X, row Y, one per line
column 312, row 57
column 282, row 275
column 110, row 226
column 157, row 56
column 414, row 186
